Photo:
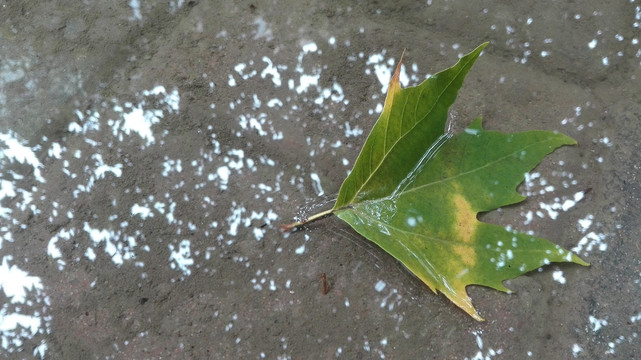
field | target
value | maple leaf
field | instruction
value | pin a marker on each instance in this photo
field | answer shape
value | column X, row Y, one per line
column 416, row 191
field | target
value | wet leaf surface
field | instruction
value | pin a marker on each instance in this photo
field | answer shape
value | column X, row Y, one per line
column 416, row 190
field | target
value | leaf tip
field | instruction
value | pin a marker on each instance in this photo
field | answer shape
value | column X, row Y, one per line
column 460, row 298
column 564, row 139
column 470, row 310
column 395, row 81
column 578, row 260
column 482, row 46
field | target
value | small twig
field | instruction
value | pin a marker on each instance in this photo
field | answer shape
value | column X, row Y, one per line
column 324, row 283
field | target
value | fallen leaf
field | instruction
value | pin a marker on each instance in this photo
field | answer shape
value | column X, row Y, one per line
column 416, row 190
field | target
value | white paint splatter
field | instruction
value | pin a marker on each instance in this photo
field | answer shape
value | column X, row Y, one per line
column 223, row 174
column 576, row 350
column 117, row 247
column 597, row 324
column 272, row 70
column 480, row 355
column 231, row 82
column 171, row 166
column 7, row 190
column 15, row 282
column 274, row 103
column 234, row 219
column 585, row 223
column 306, row 81
column 356, row 131
column 143, row 211
column 316, row 184
column 140, row 121
column 90, row 254
column 52, row 248
column 589, row 242
column 15, row 151
column 102, row 169
column 24, row 290
column 181, row 257
column 310, row 47
column 135, row 7
column 262, row 29
column 558, row 276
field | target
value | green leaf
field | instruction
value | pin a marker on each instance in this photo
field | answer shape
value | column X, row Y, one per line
column 416, row 191
column 412, row 121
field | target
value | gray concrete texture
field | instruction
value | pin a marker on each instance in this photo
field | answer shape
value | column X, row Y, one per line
column 150, row 150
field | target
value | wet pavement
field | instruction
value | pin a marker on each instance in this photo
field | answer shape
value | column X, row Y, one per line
column 149, row 151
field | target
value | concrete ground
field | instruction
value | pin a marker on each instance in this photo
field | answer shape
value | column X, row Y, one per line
column 149, row 152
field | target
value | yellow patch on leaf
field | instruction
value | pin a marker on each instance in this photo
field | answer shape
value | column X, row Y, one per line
column 464, row 227
column 466, row 253
column 393, row 89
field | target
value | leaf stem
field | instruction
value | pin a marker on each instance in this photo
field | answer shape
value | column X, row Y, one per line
column 294, row 226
